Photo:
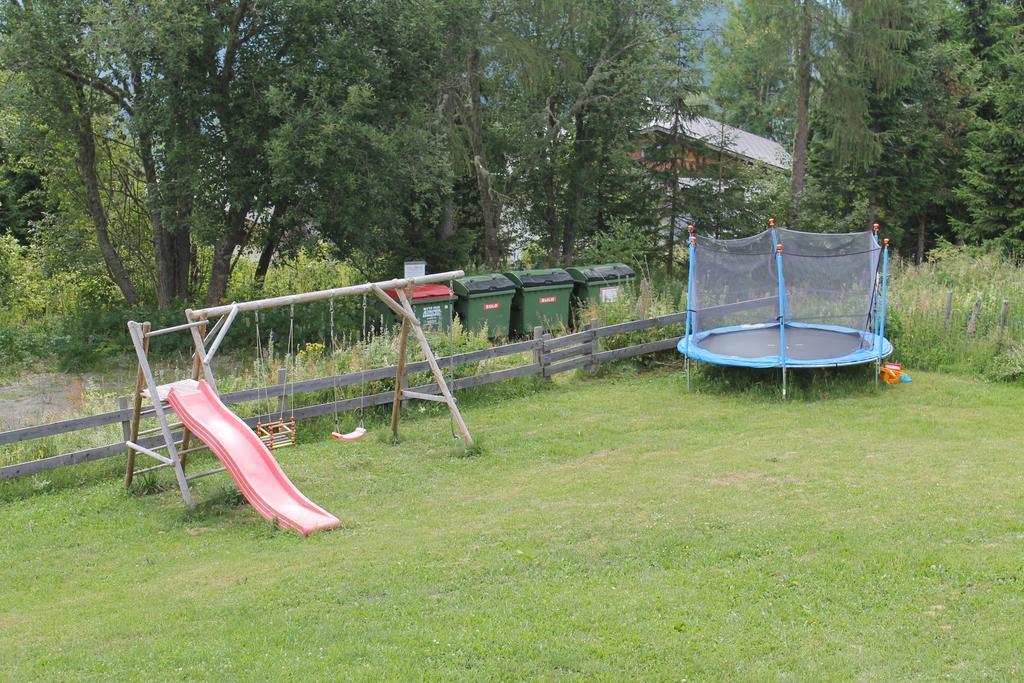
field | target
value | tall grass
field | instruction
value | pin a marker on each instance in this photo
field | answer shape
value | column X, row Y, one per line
column 923, row 337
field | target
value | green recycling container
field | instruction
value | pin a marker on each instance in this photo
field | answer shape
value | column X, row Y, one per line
column 542, row 298
column 432, row 305
column 600, row 284
column 485, row 300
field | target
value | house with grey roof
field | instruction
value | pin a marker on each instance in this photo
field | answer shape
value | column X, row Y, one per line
column 716, row 138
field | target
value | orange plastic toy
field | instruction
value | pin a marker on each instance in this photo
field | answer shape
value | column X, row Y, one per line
column 893, row 373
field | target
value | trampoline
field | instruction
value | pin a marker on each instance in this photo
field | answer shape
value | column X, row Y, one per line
column 785, row 298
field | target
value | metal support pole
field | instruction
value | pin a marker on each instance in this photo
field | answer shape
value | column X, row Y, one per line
column 782, row 307
column 885, row 288
column 690, row 324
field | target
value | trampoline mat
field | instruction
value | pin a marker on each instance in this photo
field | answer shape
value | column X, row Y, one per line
column 802, row 343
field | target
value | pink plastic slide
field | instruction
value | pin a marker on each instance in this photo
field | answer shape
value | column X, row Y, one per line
column 253, row 468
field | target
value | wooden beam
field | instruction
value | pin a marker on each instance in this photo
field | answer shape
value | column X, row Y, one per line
column 140, row 383
column 396, row 405
column 134, row 330
column 438, row 375
column 390, row 303
column 637, row 325
column 582, row 362
column 219, row 339
column 147, row 451
column 193, row 477
column 176, row 328
column 197, row 367
column 308, row 297
column 638, row 350
column 556, row 356
column 595, row 345
column 406, row 393
column 568, row 340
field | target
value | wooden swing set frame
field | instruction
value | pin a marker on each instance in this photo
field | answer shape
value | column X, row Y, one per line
column 202, row 367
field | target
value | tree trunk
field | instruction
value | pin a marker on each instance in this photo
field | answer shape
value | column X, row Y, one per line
column 489, row 209
column 172, row 247
column 263, row 264
column 273, row 240
column 922, row 233
column 673, row 217
column 223, row 253
column 86, row 158
column 803, row 97
column 448, row 223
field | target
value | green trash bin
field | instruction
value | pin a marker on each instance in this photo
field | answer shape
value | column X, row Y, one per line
column 542, row 298
column 600, row 284
column 485, row 300
column 432, row 305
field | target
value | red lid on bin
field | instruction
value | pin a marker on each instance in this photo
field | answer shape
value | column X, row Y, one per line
column 424, row 292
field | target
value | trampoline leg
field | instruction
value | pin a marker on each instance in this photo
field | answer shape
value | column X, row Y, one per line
column 783, row 381
column 687, row 374
column 878, row 370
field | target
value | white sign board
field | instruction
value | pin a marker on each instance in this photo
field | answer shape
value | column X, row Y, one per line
column 415, row 269
column 609, row 295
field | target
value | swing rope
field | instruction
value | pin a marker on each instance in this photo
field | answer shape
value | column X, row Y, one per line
column 274, row 433
column 362, row 371
column 260, row 368
column 360, row 430
column 451, row 361
column 288, row 379
column 333, row 369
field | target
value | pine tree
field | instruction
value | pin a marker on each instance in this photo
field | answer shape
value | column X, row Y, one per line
column 992, row 181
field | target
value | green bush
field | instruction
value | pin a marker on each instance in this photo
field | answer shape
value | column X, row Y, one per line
column 19, row 346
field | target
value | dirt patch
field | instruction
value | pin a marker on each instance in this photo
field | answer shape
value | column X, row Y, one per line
column 47, row 396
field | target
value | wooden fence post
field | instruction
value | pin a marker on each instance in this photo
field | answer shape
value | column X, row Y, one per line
column 949, row 311
column 126, row 423
column 1004, row 314
column 594, row 345
column 972, row 324
column 544, row 356
column 538, row 353
column 644, row 300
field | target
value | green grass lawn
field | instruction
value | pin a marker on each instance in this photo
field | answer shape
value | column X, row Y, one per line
column 612, row 528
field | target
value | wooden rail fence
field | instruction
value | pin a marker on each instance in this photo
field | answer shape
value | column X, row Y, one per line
column 550, row 356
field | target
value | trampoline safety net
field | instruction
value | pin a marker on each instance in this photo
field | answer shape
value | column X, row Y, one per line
column 826, row 300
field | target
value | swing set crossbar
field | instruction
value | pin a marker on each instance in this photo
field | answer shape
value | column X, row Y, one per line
column 308, row 297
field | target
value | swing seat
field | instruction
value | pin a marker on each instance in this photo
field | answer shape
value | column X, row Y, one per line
column 277, row 434
column 354, row 435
